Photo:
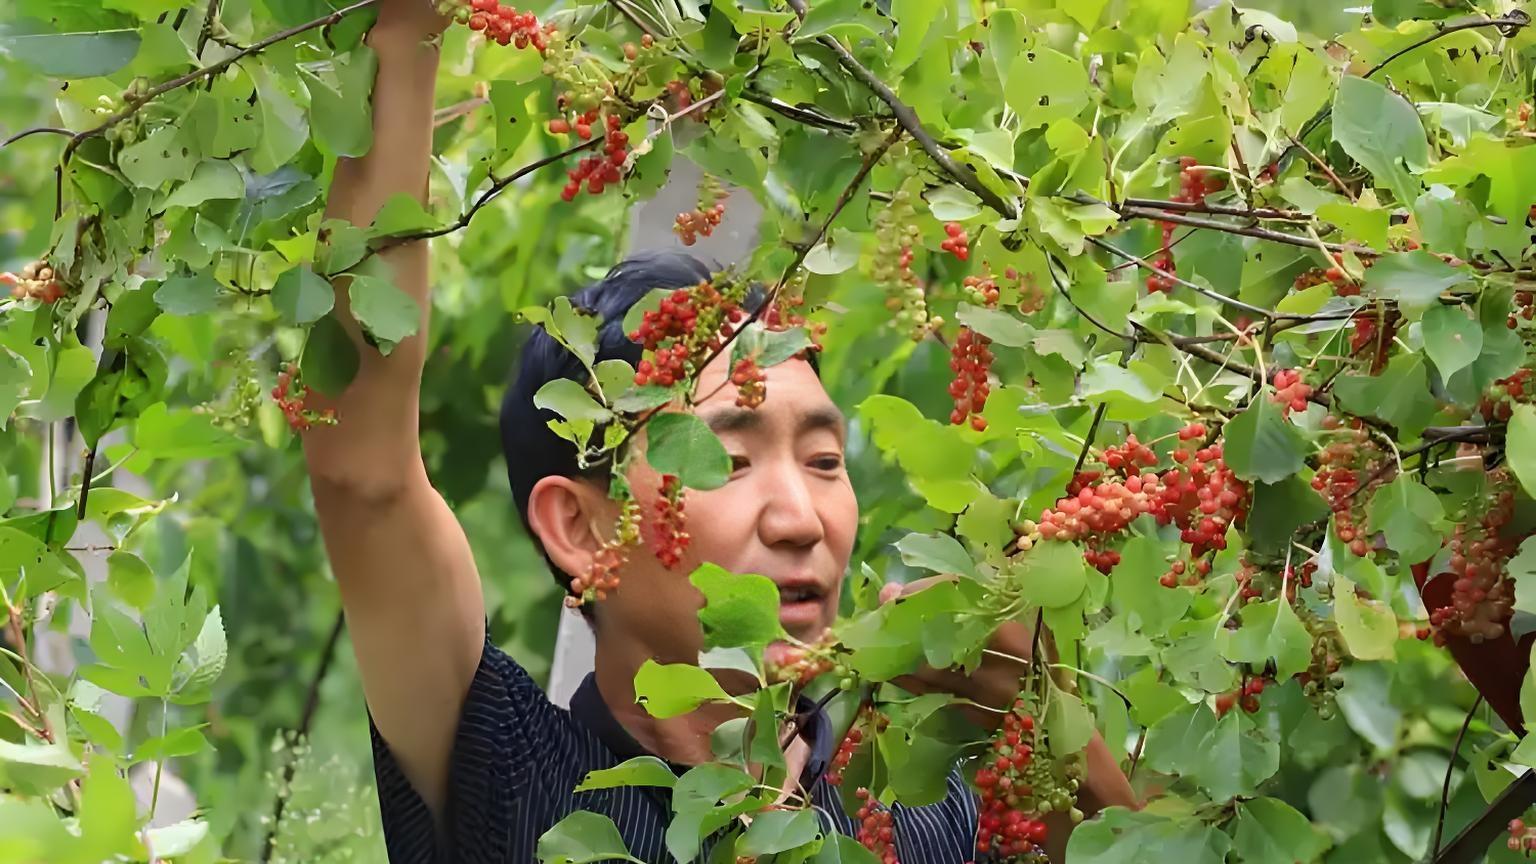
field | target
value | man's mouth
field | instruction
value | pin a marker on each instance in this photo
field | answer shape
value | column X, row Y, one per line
column 801, row 603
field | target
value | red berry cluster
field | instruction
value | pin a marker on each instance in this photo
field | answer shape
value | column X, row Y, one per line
column 602, row 576
column 1482, row 598
column 751, row 384
column 596, row 172
column 1006, row 826
column 1130, row 457
column 1291, row 393
column 1246, row 697
column 970, row 359
column 1200, row 495
column 981, row 290
column 1194, row 184
column 704, row 219
column 506, row 25
column 291, row 396
column 689, row 320
column 1031, row 297
column 877, row 830
column 896, row 234
column 1525, row 308
column 1498, row 403
column 801, row 665
column 1340, row 467
column 36, row 280
column 669, row 539
column 955, row 241
column 844, row 755
column 1521, row 838
column 1343, row 285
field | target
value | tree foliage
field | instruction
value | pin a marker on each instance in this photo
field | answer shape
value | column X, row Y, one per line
column 1195, row 336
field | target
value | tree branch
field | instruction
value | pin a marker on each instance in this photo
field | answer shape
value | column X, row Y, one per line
column 1204, row 292
column 1473, row 842
column 909, row 121
column 1450, row 766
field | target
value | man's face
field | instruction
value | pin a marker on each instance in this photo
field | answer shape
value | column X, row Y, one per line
column 788, row 512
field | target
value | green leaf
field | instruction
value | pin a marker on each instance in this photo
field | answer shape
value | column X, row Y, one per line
column 1261, row 445
column 1270, row 831
column 341, row 117
column 1414, row 279
column 582, row 837
column 212, row 180
column 571, row 401
column 1271, row 630
column 1279, row 509
column 302, row 297
column 385, row 312
column 639, row 771
column 1382, row 131
column 163, row 156
column 769, row 347
column 174, row 840
column 1399, row 395
column 668, row 690
column 181, row 434
column 940, row 553
column 996, row 325
column 330, row 360
column 195, row 294
column 130, row 578
column 68, row 54
column 1368, row 627
column 1452, row 338
column 778, row 831
column 1136, row 589
column 1121, row 836
column 38, row 769
column 740, row 610
column 1051, row 574
column 202, row 663
column 509, row 104
column 1410, row 516
column 1068, row 722
column 1520, row 446
column 1045, row 85
column 403, row 213
column 284, row 128
column 684, row 446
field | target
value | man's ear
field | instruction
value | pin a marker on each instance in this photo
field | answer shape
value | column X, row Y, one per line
column 566, row 514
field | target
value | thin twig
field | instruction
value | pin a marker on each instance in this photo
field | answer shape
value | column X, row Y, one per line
column 1204, row 292
column 1450, row 766
column 206, row 32
column 38, row 130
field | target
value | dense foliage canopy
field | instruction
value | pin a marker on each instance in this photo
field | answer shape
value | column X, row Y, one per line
column 1200, row 336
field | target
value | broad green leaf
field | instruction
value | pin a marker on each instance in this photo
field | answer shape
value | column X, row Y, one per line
column 740, row 610
column 176, row 839
column 194, row 294
column 37, row 768
column 1236, row 757
column 571, row 401
column 778, row 831
column 1045, row 85
column 1271, row 630
column 1382, row 131
column 212, row 180
column 130, row 578
column 999, row 326
column 668, row 690
column 509, row 103
column 940, row 553
column 1410, row 517
column 639, row 771
column 769, row 347
column 1520, row 446
column 330, row 360
column 1414, row 279
column 1261, row 445
column 1121, row 836
column 1068, row 722
column 1368, row 627
column 402, row 214
column 284, row 128
column 302, row 297
column 684, row 446
column 163, row 156
column 341, row 116
column 1137, row 591
column 1399, row 395
column 181, row 434
column 1270, row 831
column 68, row 54
column 582, row 837
column 1452, row 338
column 386, row 313
column 1051, row 574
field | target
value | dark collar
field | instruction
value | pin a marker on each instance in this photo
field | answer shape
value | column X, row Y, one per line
column 589, row 709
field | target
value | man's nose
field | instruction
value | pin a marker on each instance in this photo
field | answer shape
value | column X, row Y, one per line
column 789, row 514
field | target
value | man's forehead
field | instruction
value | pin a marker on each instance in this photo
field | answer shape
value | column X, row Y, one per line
column 801, row 417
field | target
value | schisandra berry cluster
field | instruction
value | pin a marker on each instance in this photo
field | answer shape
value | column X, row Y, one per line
column 1195, row 183
column 1290, row 393
column 867, row 717
column 704, row 219
column 1525, row 308
column 36, row 281
column 1482, row 595
column 1199, row 494
column 1321, row 682
column 1344, row 463
column 1498, row 403
column 500, row 23
column 955, row 241
column 896, row 235
column 981, row 290
column 803, row 664
column 669, row 535
column 1521, row 837
column 291, row 396
column 1246, row 696
column 602, row 576
column 1334, row 274
column 1019, row 787
column 688, row 321
column 750, row 382
column 971, row 360
column 877, row 829
column 596, row 172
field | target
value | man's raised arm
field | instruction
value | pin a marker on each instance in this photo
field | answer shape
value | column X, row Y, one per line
column 406, row 575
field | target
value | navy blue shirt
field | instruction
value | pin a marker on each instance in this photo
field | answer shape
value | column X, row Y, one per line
column 518, row 757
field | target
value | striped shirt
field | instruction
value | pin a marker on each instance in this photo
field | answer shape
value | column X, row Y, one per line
column 517, row 759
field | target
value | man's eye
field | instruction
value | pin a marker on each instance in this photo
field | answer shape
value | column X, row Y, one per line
column 827, row 463
column 739, row 462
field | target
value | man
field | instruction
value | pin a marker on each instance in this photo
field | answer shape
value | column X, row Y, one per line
column 474, row 764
